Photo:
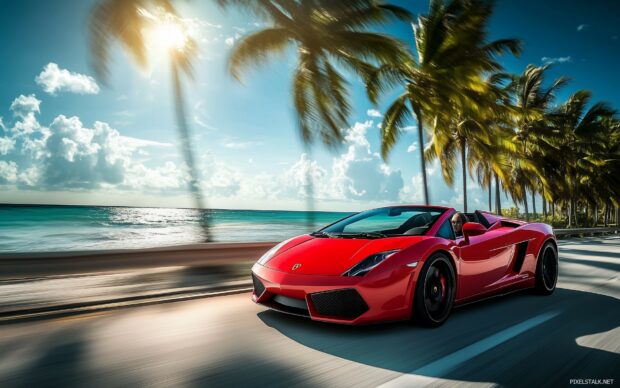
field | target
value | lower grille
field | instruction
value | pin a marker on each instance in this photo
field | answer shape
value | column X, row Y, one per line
column 291, row 302
column 345, row 303
column 259, row 288
column 288, row 305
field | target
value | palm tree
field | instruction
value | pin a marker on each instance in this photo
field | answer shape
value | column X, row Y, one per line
column 444, row 82
column 474, row 132
column 531, row 99
column 493, row 164
column 600, row 171
column 327, row 36
column 582, row 133
column 125, row 21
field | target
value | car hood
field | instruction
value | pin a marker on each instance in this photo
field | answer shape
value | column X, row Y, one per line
column 333, row 256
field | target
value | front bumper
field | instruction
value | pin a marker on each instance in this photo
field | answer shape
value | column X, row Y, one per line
column 338, row 299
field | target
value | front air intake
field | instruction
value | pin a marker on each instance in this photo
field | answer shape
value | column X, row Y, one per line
column 259, row 288
column 345, row 303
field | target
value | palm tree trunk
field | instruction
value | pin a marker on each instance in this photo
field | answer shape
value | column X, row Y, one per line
column 498, row 204
column 533, row 203
column 574, row 209
column 527, row 214
column 463, row 157
column 544, row 203
column 570, row 213
column 419, row 117
column 188, row 154
column 606, row 214
column 595, row 214
column 490, row 197
column 552, row 205
column 309, row 192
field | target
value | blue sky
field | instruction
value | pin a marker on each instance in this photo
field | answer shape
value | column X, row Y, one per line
column 72, row 140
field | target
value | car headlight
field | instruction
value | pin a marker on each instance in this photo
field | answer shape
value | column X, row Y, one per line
column 269, row 254
column 364, row 266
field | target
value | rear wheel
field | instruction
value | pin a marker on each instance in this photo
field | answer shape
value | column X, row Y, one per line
column 547, row 269
column 434, row 292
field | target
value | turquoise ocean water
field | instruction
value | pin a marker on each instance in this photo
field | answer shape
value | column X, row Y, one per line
column 67, row 228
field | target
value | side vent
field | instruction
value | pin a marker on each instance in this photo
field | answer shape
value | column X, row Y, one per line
column 521, row 249
column 509, row 224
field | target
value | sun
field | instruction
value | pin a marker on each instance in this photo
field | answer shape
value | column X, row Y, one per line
column 165, row 32
column 170, row 35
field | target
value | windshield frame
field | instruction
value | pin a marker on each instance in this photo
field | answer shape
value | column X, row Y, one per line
column 421, row 209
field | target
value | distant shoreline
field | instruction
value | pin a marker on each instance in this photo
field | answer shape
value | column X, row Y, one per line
column 159, row 207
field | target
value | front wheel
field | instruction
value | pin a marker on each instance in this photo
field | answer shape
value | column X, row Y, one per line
column 547, row 269
column 434, row 291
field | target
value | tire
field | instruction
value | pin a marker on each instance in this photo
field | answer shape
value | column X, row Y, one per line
column 547, row 269
column 434, row 292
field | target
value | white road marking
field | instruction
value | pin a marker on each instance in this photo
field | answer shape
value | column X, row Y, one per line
column 426, row 375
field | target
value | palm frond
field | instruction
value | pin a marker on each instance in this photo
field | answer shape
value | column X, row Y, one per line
column 256, row 48
column 396, row 117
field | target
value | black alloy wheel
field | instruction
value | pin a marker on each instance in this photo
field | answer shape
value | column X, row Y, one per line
column 435, row 290
column 547, row 269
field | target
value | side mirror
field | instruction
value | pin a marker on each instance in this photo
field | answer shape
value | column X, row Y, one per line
column 472, row 229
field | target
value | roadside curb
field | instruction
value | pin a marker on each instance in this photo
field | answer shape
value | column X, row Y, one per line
column 59, row 311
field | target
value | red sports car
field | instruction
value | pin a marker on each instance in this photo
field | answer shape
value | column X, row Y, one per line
column 402, row 262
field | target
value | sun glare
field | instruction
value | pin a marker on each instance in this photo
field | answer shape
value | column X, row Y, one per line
column 166, row 32
column 170, row 35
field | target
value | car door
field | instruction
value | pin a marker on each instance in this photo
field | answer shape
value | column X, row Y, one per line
column 484, row 261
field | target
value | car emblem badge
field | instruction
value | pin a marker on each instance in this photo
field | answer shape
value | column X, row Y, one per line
column 296, row 266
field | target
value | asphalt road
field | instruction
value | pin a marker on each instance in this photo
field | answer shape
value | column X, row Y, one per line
column 521, row 340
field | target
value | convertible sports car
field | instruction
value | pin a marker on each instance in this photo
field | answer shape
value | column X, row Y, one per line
column 403, row 262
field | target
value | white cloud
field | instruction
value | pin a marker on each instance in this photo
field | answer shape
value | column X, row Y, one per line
column 25, row 105
column 409, row 128
column 166, row 177
column 135, row 143
column 432, row 168
column 54, row 79
column 219, row 179
column 549, row 60
column 413, row 147
column 229, row 41
column 83, row 157
column 360, row 173
column 69, row 155
column 25, row 108
column 373, row 113
column 413, row 193
column 200, row 122
column 582, row 27
column 240, row 145
column 30, row 176
column 8, row 172
column 201, row 117
column 6, row 145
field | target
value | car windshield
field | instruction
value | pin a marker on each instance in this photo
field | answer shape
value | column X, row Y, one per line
column 384, row 222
